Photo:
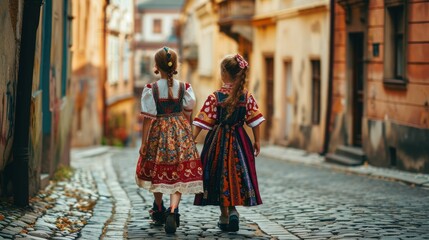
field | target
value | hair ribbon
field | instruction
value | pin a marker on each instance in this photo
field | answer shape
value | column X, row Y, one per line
column 169, row 63
column 241, row 62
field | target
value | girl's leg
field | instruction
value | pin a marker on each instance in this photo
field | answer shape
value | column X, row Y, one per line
column 224, row 211
column 232, row 209
column 157, row 212
column 158, row 199
column 174, row 201
column 234, row 220
column 223, row 219
column 173, row 217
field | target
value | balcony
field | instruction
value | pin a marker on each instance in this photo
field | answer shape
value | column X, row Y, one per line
column 360, row 6
column 235, row 18
column 190, row 54
column 352, row 3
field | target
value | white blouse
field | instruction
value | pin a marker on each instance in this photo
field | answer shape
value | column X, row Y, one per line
column 148, row 105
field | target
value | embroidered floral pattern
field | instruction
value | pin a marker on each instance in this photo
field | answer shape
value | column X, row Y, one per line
column 208, row 114
column 253, row 115
column 228, row 162
column 170, row 160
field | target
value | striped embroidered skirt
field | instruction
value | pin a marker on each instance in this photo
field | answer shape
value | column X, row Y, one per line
column 229, row 172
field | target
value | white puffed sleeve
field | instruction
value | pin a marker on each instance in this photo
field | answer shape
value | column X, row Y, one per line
column 148, row 105
column 188, row 98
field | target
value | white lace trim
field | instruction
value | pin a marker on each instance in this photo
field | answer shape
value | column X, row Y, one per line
column 256, row 122
column 184, row 188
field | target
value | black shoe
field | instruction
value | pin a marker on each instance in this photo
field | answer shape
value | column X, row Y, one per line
column 177, row 219
column 170, row 223
column 157, row 215
column 223, row 223
column 177, row 215
column 234, row 221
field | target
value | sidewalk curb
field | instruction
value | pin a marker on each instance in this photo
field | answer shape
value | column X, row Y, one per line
column 89, row 151
column 302, row 157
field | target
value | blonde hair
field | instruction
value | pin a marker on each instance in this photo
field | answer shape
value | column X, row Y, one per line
column 233, row 65
column 166, row 61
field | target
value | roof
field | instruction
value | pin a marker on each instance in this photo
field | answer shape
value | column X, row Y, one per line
column 160, row 4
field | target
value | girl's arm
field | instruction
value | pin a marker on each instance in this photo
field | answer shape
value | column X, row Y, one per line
column 256, row 143
column 145, row 132
column 197, row 131
column 188, row 116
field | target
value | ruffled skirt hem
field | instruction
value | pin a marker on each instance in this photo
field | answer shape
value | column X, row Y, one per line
column 194, row 187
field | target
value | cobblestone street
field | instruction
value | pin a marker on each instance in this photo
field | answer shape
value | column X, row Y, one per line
column 332, row 95
column 300, row 202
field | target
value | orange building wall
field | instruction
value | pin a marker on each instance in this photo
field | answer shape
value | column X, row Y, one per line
column 339, row 81
column 88, row 72
column 406, row 107
column 395, row 122
column 338, row 123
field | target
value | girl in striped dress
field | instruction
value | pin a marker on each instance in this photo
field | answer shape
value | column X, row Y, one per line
column 228, row 155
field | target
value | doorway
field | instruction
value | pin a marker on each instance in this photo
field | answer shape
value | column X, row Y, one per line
column 269, row 76
column 357, row 74
column 289, row 100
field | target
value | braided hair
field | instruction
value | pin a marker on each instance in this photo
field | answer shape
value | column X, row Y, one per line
column 236, row 67
column 166, row 61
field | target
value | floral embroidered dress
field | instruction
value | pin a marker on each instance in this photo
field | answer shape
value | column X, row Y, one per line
column 170, row 162
column 228, row 159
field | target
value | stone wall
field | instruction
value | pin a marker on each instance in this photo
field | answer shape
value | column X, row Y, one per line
column 10, row 32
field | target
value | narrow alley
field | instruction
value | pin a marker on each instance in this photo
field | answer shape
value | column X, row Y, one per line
column 300, row 202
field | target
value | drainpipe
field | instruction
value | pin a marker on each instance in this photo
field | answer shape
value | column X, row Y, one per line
column 30, row 22
column 104, row 68
column 330, row 76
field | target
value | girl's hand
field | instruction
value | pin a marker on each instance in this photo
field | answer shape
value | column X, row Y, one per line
column 141, row 150
column 257, row 147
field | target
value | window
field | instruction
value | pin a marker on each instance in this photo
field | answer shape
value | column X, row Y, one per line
column 126, row 61
column 288, row 117
column 145, row 66
column 205, row 56
column 315, row 91
column 113, row 59
column 176, row 25
column 157, row 26
column 395, row 43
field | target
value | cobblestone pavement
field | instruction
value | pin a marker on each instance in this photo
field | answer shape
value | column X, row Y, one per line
column 303, row 157
column 318, row 203
column 59, row 212
column 300, row 202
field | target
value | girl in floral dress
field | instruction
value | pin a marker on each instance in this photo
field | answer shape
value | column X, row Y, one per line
column 228, row 155
column 169, row 162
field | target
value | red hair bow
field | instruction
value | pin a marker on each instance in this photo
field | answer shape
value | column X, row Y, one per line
column 243, row 63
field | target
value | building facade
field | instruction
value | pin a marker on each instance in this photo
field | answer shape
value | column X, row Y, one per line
column 37, row 102
column 202, row 47
column 380, row 85
column 88, row 71
column 349, row 79
column 291, row 46
column 119, row 98
column 9, row 49
column 156, row 23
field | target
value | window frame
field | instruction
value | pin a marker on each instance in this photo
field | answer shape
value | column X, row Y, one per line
column 316, row 106
column 390, row 61
column 154, row 26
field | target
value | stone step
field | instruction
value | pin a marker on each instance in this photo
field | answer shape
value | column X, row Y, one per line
column 44, row 180
column 355, row 153
column 342, row 160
